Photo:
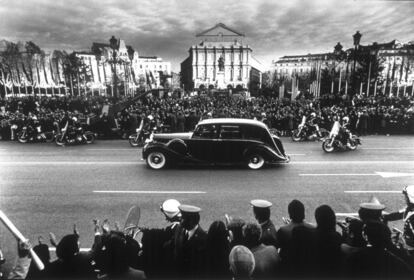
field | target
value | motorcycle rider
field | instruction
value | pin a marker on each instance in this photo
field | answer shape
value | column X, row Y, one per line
column 407, row 215
column 313, row 124
column 77, row 129
column 345, row 131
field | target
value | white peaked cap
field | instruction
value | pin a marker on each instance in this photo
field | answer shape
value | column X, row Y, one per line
column 409, row 191
column 170, row 207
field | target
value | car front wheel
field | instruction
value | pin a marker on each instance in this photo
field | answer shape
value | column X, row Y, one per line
column 255, row 161
column 157, row 160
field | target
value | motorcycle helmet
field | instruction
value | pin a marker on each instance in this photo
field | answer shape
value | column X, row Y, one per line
column 409, row 193
column 170, row 208
column 75, row 119
column 150, row 117
column 313, row 115
column 345, row 119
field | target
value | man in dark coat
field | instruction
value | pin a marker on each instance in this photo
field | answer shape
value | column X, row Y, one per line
column 296, row 211
column 261, row 211
column 190, row 244
column 266, row 258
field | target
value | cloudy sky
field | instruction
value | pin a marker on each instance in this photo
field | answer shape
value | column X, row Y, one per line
column 167, row 28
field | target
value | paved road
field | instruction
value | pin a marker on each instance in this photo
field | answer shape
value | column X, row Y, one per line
column 47, row 188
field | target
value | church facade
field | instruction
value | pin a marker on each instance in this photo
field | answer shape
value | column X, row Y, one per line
column 220, row 61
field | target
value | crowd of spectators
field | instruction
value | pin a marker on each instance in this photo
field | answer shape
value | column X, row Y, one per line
column 232, row 248
column 368, row 115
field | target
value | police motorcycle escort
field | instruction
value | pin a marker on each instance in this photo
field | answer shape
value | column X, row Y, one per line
column 73, row 133
column 340, row 138
column 32, row 132
column 308, row 129
column 143, row 132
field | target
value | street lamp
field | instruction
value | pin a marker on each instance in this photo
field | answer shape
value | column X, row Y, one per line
column 337, row 56
column 357, row 38
column 372, row 53
column 113, row 43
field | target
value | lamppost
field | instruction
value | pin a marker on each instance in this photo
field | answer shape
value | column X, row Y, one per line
column 372, row 53
column 113, row 43
column 357, row 37
column 337, row 56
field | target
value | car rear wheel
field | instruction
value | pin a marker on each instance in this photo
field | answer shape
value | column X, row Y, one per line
column 157, row 160
column 255, row 161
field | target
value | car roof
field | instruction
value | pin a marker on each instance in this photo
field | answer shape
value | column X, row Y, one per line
column 233, row 121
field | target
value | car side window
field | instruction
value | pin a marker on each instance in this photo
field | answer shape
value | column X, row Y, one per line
column 230, row 132
column 254, row 133
column 208, row 131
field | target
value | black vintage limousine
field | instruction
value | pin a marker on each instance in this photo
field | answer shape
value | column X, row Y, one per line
column 217, row 142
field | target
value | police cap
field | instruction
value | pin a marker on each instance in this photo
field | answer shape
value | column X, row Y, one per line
column 373, row 204
column 261, row 203
column 184, row 208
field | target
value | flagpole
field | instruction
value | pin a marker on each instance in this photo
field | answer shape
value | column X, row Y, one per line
column 398, row 90
column 412, row 89
column 375, row 88
column 360, row 89
column 405, row 89
column 340, row 78
column 346, row 87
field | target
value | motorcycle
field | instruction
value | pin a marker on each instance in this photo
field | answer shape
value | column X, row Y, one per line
column 334, row 143
column 75, row 136
column 305, row 132
column 138, row 139
column 30, row 134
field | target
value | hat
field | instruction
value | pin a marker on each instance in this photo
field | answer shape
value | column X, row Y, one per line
column 170, row 208
column 409, row 192
column 241, row 261
column 189, row 208
column 260, row 203
column 373, row 204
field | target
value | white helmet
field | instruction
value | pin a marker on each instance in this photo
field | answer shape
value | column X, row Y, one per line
column 313, row 115
column 170, row 208
column 345, row 119
column 409, row 192
column 150, row 117
column 75, row 119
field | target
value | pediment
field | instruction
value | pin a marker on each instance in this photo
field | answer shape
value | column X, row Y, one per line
column 220, row 29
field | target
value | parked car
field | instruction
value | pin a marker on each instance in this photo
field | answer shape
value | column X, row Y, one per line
column 217, row 142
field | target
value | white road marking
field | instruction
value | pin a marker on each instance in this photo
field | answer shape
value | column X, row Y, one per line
column 377, row 191
column 339, row 174
column 355, row 162
column 111, row 149
column 297, row 154
column 387, row 148
column 394, row 174
column 382, row 174
column 70, row 162
column 154, row 192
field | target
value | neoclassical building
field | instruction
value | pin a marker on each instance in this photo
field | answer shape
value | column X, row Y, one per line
column 220, row 60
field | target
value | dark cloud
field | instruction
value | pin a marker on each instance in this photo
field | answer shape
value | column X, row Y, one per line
column 167, row 28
